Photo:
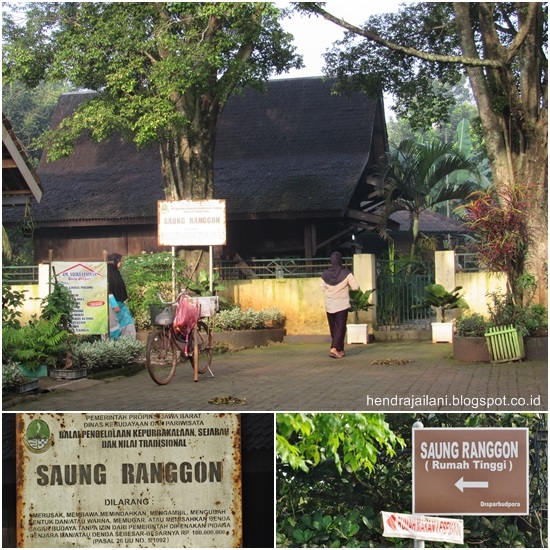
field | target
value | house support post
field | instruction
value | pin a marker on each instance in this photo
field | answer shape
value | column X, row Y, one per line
column 310, row 240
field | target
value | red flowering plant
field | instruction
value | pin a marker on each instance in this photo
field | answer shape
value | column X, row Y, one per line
column 498, row 220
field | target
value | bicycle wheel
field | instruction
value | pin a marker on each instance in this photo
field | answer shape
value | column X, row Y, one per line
column 204, row 339
column 161, row 356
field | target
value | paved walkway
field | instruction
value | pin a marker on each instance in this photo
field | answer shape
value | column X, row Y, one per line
column 393, row 376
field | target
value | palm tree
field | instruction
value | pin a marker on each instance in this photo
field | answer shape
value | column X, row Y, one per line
column 416, row 176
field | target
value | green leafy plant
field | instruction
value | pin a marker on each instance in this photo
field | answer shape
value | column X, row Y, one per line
column 107, row 354
column 248, row 319
column 441, row 300
column 473, row 324
column 529, row 320
column 41, row 342
column 12, row 302
column 60, row 300
column 360, row 301
column 147, row 275
column 201, row 286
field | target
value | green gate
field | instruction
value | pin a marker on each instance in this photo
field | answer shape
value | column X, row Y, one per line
column 399, row 286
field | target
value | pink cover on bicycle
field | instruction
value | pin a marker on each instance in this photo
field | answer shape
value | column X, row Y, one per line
column 187, row 315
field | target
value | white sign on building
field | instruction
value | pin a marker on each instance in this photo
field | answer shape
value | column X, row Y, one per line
column 191, row 223
column 129, row 480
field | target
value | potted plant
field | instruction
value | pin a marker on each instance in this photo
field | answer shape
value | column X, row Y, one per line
column 442, row 301
column 61, row 304
column 357, row 333
column 469, row 343
column 36, row 346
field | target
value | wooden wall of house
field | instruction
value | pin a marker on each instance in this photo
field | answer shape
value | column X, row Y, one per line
column 248, row 238
column 88, row 243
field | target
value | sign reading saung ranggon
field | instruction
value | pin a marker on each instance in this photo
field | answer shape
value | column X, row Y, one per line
column 137, row 480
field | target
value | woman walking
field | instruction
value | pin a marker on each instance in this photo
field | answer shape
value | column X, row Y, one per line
column 336, row 282
column 120, row 318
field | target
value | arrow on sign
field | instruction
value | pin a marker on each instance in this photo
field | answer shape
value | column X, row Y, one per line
column 461, row 484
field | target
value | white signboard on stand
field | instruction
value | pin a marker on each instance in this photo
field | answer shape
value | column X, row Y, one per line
column 191, row 223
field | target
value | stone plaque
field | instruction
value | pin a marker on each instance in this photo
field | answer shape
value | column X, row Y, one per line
column 136, row 480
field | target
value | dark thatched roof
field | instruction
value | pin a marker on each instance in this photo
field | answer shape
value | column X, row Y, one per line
column 296, row 149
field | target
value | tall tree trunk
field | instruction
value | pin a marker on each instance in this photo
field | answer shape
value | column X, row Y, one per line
column 517, row 136
column 187, row 164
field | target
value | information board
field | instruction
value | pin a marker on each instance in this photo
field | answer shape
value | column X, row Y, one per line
column 129, row 480
column 471, row 471
column 191, row 223
column 88, row 283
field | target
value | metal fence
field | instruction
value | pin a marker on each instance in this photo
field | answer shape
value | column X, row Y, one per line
column 274, row 268
column 20, row 275
column 399, row 288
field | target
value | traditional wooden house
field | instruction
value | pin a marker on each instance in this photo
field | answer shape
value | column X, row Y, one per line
column 292, row 165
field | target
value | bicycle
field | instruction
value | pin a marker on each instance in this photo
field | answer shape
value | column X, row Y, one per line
column 168, row 344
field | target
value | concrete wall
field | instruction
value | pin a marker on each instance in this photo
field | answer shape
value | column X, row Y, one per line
column 302, row 300
column 476, row 286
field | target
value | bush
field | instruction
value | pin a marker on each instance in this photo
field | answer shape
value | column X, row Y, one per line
column 106, row 354
column 11, row 376
column 535, row 320
column 41, row 342
column 248, row 319
column 473, row 324
column 529, row 320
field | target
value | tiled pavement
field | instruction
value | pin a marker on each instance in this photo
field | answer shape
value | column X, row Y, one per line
column 393, row 376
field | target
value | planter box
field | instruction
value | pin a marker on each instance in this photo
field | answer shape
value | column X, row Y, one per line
column 442, row 332
column 357, row 334
column 69, row 374
column 39, row 372
column 470, row 349
column 249, row 338
column 26, row 387
column 536, row 348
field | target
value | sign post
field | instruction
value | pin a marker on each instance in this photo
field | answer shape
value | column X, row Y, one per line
column 166, row 480
column 471, row 471
column 192, row 223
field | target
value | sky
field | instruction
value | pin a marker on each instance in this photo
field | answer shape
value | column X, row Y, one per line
column 314, row 35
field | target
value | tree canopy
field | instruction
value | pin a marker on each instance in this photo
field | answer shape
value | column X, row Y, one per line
column 416, row 176
column 163, row 71
column 501, row 47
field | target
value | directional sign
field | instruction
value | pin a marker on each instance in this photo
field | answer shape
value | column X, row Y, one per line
column 422, row 528
column 471, row 471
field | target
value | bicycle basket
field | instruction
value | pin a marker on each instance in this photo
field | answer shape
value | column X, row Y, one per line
column 161, row 315
column 209, row 305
